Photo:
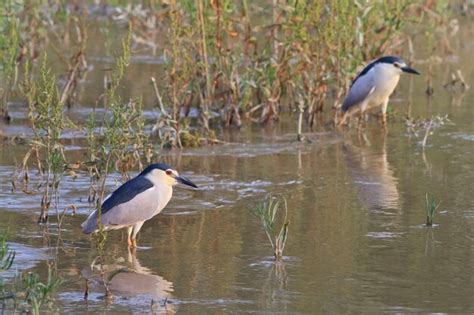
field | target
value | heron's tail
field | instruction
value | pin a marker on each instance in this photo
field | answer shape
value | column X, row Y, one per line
column 90, row 225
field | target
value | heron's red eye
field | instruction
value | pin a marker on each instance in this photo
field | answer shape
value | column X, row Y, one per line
column 169, row 172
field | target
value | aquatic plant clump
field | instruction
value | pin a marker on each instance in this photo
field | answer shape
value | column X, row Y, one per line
column 431, row 206
column 45, row 114
column 7, row 257
column 26, row 292
column 268, row 211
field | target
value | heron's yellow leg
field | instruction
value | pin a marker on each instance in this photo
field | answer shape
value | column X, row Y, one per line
column 129, row 236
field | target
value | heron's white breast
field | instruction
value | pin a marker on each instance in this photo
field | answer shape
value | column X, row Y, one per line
column 385, row 78
column 163, row 193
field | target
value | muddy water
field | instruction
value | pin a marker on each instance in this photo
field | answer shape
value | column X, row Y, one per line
column 357, row 242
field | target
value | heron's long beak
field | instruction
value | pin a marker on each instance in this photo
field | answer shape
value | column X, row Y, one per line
column 409, row 70
column 185, row 181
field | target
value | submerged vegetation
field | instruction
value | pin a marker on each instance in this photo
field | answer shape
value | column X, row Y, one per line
column 274, row 222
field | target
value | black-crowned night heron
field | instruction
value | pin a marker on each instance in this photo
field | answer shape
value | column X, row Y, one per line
column 373, row 87
column 136, row 201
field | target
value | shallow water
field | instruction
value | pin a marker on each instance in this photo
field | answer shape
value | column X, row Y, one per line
column 357, row 241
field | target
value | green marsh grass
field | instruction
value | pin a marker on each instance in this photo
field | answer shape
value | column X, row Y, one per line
column 32, row 293
column 7, row 256
column 431, row 206
column 235, row 62
column 26, row 292
column 9, row 53
column 272, row 212
column 45, row 114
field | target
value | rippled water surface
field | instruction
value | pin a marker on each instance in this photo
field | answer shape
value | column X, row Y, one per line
column 357, row 241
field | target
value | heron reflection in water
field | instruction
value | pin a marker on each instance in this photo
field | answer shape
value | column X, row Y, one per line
column 371, row 172
column 132, row 280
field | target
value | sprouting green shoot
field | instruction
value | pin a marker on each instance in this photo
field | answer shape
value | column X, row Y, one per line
column 431, row 207
column 27, row 291
column 268, row 212
column 30, row 289
column 7, row 256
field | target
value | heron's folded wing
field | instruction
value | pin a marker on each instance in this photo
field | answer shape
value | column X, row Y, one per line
column 126, row 192
column 138, row 209
column 362, row 87
column 114, row 207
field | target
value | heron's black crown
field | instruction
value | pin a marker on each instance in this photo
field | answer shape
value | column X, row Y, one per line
column 151, row 167
column 389, row 59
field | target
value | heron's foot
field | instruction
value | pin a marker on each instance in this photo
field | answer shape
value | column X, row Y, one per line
column 384, row 119
column 384, row 128
column 342, row 120
column 360, row 124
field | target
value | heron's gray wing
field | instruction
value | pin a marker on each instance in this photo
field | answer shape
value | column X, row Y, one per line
column 365, row 71
column 122, row 196
column 362, row 87
column 138, row 209
column 126, row 192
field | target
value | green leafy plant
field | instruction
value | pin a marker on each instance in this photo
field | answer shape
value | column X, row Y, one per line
column 268, row 211
column 27, row 292
column 431, row 206
column 7, row 256
column 46, row 117
column 9, row 53
column 32, row 292
column 220, row 62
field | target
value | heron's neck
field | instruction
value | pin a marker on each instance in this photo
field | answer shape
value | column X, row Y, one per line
column 386, row 77
column 387, row 72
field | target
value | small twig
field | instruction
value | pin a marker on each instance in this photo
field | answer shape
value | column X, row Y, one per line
column 160, row 101
column 423, row 144
column 74, row 210
column 71, row 78
column 86, row 291
column 300, row 120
